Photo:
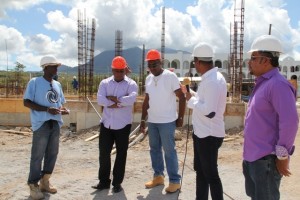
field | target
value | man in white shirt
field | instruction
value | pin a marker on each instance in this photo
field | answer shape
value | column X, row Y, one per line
column 160, row 106
column 208, row 105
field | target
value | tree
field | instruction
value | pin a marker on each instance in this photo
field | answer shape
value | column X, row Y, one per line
column 19, row 80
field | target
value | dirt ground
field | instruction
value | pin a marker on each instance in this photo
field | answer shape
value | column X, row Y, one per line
column 77, row 168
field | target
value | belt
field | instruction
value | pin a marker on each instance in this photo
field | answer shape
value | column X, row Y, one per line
column 50, row 123
column 267, row 157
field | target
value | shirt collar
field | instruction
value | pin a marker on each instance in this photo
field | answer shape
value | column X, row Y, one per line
column 209, row 72
column 125, row 79
column 268, row 74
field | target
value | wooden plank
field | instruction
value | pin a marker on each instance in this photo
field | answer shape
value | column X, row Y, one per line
column 91, row 138
column 18, row 132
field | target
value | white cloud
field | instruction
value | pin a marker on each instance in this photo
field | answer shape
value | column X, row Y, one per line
column 205, row 21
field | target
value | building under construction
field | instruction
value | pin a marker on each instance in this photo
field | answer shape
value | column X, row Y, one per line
column 86, row 45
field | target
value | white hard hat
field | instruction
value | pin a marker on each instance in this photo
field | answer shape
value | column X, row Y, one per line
column 203, row 52
column 74, row 77
column 49, row 61
column 266, row 43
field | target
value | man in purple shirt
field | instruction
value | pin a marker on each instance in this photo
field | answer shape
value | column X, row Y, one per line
column 117, row 95
column 271, row 122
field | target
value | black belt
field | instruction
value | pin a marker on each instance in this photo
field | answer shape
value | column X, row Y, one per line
column 267, row 157
column 50, row 123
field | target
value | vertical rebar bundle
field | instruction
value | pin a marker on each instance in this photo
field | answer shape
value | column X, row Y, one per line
column 163, row 36
column 236, row 53
column 86, row 44
column 118, row 43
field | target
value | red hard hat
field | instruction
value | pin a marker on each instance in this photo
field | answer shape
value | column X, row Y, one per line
column 118, row 63
column 153, row 55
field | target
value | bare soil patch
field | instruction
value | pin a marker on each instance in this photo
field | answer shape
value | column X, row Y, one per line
column 77, row 168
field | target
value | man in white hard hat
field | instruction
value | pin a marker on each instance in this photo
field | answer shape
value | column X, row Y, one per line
column 45, row 98
column 271, row 122
column 208, row 105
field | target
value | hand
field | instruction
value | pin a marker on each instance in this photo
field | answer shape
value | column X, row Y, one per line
column 188, row 95
column 113, row 98
column 64, row 111
column 53, row 111
column 183, row 89
column 113, row 106
column 143, row 127
column 283, row 167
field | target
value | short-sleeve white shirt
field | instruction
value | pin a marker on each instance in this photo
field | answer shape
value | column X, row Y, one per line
column 162, row 97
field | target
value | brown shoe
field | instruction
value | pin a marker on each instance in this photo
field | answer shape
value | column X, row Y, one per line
column 45, row 185
column 173, row 187
column 157, row 180
column 35, row 191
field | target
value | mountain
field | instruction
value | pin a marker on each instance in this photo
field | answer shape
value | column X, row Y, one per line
column 102, row 61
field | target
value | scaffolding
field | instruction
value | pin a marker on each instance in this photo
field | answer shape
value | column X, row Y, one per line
column 236, row 53
column 86, row 45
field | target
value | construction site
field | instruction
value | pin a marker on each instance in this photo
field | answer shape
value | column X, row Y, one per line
column 76, row 169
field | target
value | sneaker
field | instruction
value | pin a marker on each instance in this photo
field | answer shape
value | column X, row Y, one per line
column 157, row 180
column 173, row 187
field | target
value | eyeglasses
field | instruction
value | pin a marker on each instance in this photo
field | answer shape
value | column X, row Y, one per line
column 254, row 57
column 119, row 70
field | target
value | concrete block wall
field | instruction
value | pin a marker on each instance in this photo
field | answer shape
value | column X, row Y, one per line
column 13, row 113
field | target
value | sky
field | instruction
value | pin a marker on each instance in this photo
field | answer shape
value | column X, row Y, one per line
column 30, row 29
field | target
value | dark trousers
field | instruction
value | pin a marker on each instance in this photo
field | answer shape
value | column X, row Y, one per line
column 106, row 140
column 206, row 167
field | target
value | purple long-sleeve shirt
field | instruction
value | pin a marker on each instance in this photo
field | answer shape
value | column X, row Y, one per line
column 271, row 121
column 126, row 92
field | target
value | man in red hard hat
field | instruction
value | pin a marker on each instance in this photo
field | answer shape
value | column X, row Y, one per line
column 117, row 95
column 160, row 111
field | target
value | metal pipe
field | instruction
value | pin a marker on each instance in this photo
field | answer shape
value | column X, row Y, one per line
column 94, row 108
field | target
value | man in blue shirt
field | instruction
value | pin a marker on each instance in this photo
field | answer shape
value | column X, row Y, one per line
column 45, row 98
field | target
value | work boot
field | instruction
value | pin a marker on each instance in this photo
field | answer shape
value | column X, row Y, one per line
column 157, row 180
column 35, row 191
column 45, row 185
column 173, row 187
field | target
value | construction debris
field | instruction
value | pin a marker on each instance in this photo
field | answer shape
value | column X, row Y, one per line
column 18, row 132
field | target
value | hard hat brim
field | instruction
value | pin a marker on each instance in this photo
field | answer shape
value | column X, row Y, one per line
column 51, row 64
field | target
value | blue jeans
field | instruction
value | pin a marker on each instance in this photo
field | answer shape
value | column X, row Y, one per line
column 162, row 135
column 262, row 180
column 45, row 143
